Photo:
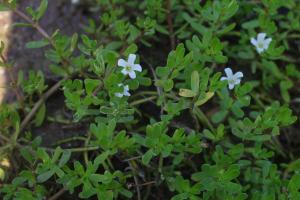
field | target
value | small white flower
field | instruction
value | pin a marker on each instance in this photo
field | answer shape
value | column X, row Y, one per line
column 125, row 91
column 129, row 67
column 233, row 79
column 261, row 43
column 75, row 1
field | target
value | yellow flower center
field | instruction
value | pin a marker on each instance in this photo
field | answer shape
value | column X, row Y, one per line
column 261, row 45
column 128, row 68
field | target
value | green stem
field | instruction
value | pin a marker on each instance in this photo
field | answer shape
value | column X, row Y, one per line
column 57, row 120
column 141, row 101
column 202, row 117
column 70, row 140
column 80, row 149
column 85, row 153
column 160, row 164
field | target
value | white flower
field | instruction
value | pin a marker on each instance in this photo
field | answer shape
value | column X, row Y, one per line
column 129, row 67
column 261, row 43
column 75, row 1
column 125, row 91
column 233, row 79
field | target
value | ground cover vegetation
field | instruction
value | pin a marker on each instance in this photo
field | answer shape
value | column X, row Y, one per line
column 173, row 99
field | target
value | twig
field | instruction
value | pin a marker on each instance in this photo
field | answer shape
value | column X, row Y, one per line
column 15, row 85
column 133, row 158
column 75, row 150
column 148, row 183
column 58, row 194
column 38, row 104
column 35, row 25
column 135, row 41
column 202, row 117
column 4, row 137
column 136, row 180
column 140, row 101
column 170, row 24
column 85, row 154
column 75, row 138
column 158, row 89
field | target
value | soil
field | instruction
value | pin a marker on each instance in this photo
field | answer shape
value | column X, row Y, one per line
column 62, row 15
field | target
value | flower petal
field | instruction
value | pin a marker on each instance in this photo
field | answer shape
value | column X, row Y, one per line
column 131, row 59
column 126, row 93
column 267, row 43
column 253, row 41
column 237, row 81
column 230, row 86
column 260, row 50
column 228, row 72
column 132, row 75
column 137, row 67
column 224, row 78
column 238, row 75
column 124, row 71
column 261, row 37
column 122, row 63
column 120, row 95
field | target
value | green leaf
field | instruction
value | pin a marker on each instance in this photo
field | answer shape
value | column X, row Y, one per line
column 101, row 158
column 27, row 155
column 209, row 135
column 208, row 96
column 232, row 172
column 195, row 82
column 45, row 176
column 91, row 85
column 293, row 166
column 187, row 93
column 244, row 89
column 64, row 158
column 57, row 70
column 227, row 29
column 162, row 71
column 2, row 174
column 147, row 157
column 74, row 41
column 285, row 85
column 37, row 44
column 294, row 186
column 3, row 7
column 40, row 115
column 219, row 116
column 131, row 49
column 168, row 85
column 41, row 9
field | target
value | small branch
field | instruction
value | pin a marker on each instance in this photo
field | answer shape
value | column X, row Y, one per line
column 130, row 159
column 148, row 183
column 75, row 150
column 71, row 139
column 86, row 143
column 158, row 89
column 58, row 194
column 135, row 41
column 202, row 117
column 170, row 24
column 98, row 88
column 15, row 85
column 35, row 25
column 136, row 180
column 38, row 104
column 140, row 101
